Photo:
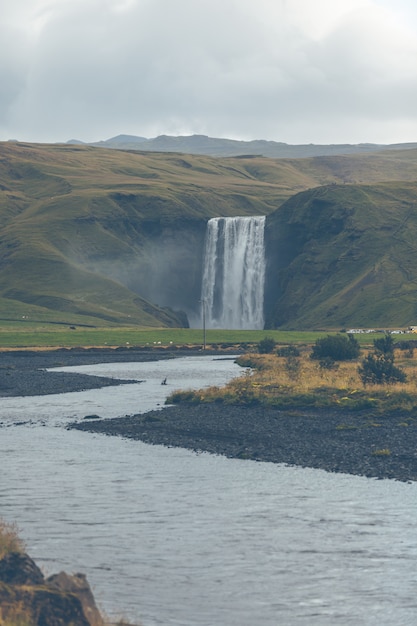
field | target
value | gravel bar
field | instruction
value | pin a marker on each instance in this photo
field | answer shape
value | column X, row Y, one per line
column 351, row 443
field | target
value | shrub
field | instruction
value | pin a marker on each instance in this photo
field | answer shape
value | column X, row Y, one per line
column 336, row 347
column 176, row 397
column 409, row 344
column 288, row 351
column 379, row 369
column 292, row 367
column 384, row 345
column 251, row 360
column 9, row 539
column 266, row 345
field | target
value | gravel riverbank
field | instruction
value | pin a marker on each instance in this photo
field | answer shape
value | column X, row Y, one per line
column 328, row 440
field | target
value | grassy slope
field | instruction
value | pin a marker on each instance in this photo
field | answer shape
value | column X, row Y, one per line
column 62, row 204
column 347, row 257
column 59, row 204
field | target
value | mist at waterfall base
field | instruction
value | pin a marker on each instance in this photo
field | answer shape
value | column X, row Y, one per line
column 234, row 273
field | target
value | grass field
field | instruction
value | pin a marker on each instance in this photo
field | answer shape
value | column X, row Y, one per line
column 45, row 335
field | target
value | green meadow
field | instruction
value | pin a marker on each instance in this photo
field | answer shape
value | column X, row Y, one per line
column 46, row 335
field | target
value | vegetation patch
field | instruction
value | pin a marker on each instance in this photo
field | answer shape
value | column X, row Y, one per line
column 382, row 452
column 273, row 381
column 336, row 348
column 9, row 539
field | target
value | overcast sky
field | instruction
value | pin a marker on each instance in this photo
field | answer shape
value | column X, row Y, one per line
column 297, row 71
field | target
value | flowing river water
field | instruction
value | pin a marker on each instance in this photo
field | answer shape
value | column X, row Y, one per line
column 170, row 537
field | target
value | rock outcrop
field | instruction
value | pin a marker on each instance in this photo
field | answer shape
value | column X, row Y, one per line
column 78, row 586
column 26, row 597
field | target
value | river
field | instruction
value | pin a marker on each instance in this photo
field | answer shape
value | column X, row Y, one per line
column 170, row 537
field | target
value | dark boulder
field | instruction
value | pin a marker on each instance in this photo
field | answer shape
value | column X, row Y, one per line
column 40, row 606
column 17, row 568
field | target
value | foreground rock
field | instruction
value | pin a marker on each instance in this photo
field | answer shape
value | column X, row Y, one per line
column 26, row 597
column 335, row 441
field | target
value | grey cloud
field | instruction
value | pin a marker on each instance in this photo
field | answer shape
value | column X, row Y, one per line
column 220, row 67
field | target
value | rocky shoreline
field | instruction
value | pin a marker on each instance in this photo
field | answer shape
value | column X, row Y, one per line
column 333, row 440
column 351, row 443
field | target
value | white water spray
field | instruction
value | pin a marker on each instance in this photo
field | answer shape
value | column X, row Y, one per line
column 234, row 273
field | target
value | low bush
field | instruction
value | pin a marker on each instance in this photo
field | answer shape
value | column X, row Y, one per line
column 255, row 361
column 379, row 369
column 384, row 345
column 266, row 345
column 176, row 397
column 9, row 539
column 336, row 347
column 287, row 351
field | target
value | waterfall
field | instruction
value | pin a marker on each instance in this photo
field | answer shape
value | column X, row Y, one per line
column 234, row 273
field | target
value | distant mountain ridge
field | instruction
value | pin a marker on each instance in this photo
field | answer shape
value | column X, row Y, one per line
column 215, row 146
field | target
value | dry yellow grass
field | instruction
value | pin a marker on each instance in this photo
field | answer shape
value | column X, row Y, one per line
column 272, row 370
column 9, row 539
column 15, row 616
column 286, row 381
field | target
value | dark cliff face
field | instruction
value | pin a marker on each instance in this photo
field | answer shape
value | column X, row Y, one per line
column 295, row 234
column 172, row 269
column 163, row 264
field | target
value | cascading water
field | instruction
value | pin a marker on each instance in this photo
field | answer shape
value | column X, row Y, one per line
column 234, row 273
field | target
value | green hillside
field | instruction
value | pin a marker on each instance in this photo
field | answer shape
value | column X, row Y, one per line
column 98, row 236
column 92, row 233
column 344, row 256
